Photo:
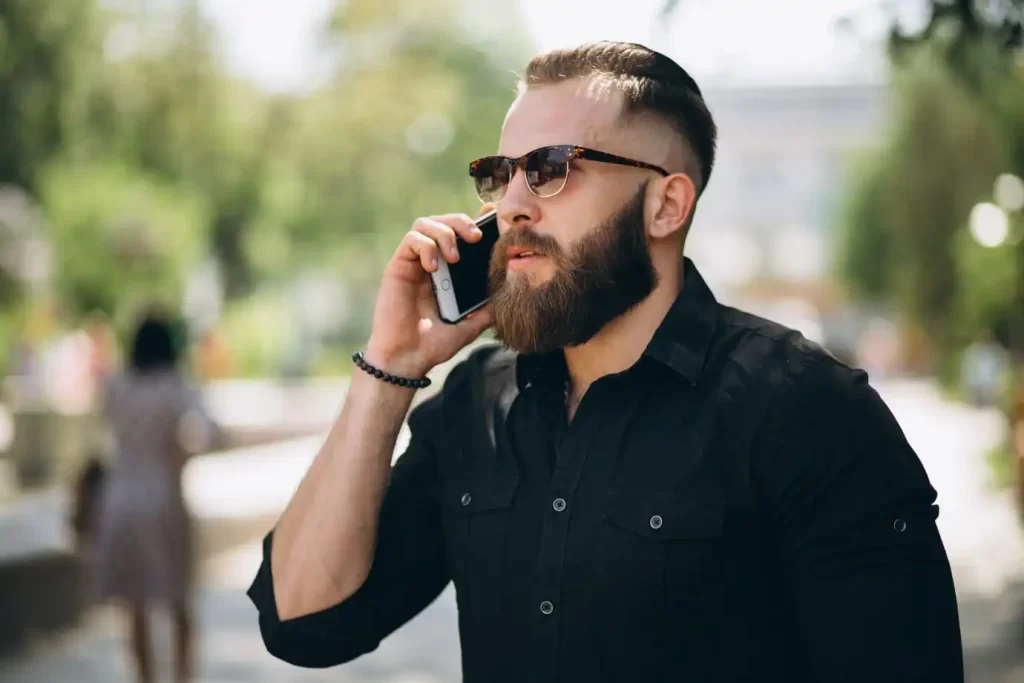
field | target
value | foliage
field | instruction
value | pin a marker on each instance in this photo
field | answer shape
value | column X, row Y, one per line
column 1002, row 466
column 986, row 295
column 959, row 27
column 129, row 130
column 122, row 239
column 906, row 217
column 49, row 58
column 256, row 340
column 867, row 257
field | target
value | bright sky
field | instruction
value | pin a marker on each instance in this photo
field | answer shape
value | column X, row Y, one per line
column 718, row 41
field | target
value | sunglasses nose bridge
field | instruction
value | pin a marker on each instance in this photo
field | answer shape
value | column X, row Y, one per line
column 519, row 166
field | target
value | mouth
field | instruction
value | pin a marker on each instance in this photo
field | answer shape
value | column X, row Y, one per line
column 520, row 258
column 521, row 253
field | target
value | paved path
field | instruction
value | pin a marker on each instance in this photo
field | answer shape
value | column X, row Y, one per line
column 978, row 526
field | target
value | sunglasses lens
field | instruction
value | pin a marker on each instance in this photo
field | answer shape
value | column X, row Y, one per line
column 491, row 175
column 546, row 171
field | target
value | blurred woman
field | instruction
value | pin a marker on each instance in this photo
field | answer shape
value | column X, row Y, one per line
column 144, row 548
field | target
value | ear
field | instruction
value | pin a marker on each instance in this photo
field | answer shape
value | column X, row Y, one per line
column 671, row 204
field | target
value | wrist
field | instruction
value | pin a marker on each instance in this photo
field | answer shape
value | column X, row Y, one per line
column 407, row 365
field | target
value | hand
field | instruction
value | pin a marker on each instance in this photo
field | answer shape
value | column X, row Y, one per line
column 408, row 336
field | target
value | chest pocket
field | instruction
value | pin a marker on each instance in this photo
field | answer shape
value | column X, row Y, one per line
column 476, row 523
column 659, row 549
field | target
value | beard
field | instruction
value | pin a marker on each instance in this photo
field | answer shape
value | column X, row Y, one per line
column 606, row 273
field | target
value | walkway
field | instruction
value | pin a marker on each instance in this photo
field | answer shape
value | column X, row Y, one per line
column 979, row 528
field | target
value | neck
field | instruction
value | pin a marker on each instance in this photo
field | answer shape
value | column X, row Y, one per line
column 622, row 342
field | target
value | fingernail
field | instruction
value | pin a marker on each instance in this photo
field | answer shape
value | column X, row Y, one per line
column 434, row 262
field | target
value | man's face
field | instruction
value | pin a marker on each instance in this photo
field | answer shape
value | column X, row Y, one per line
column 586, row 259
column 605, row 273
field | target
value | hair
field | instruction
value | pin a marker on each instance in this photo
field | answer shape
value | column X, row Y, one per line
column 154, row 346
column 650, row 83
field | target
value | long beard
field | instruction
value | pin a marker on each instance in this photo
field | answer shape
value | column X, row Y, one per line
column 608, row 272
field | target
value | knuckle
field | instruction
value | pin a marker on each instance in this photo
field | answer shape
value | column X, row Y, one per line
column 449, row 223
column 421, row 238
column 422, row 225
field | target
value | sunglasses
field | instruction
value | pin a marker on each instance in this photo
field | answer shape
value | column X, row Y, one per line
column 545, row 169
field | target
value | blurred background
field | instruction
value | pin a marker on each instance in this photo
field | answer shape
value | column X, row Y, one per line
column 250, row 165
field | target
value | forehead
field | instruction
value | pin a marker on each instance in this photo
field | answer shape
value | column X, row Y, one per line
column 577, row 112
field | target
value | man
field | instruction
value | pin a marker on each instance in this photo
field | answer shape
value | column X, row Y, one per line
column 644, row 485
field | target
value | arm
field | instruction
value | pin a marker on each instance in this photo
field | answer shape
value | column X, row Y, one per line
column 325, row 539
column 355, row 576
column 197, row 431
column 328, row 539
column 862, row 562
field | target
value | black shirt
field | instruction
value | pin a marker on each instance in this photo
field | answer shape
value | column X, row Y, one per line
column 737, row 506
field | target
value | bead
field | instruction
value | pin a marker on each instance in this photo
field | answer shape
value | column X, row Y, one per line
column 363, row 364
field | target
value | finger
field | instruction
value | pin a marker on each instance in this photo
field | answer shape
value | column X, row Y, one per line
column 463, row 225
column 441, row 233
column 486, row 208
column 418, row 247
column 477, row 321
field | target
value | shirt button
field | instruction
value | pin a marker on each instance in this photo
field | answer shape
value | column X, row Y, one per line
column 558, row 504
column 546, row 607
column 466, row 499
column 899, row 525
column 656, row 522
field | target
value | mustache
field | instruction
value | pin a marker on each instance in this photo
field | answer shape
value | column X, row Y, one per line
column 527, row 238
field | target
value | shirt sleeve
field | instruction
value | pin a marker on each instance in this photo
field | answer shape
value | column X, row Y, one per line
column 862, row 562
column 408, row 572
column 196, row 431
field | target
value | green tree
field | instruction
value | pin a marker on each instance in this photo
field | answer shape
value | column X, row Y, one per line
column 121, row 239
column 914, row 198
column 50, row 60
column 959, row 84
column 178, row 115
column 389, row 137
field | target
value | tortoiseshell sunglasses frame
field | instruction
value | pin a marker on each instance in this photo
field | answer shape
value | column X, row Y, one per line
column 571, row 152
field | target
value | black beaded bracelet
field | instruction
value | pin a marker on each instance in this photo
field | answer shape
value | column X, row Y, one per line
column 411, row 382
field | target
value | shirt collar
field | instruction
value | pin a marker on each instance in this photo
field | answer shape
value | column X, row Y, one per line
column 681, row 342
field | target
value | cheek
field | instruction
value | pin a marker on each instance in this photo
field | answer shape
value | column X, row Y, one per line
column 578, row 214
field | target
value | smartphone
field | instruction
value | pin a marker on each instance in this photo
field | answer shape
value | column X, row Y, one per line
column 462, row 287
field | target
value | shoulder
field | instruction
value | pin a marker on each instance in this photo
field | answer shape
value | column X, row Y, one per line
column 779, row 362
column 473, row 378
column 818, row 419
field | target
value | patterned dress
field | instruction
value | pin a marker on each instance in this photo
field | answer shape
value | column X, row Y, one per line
column 144, row 545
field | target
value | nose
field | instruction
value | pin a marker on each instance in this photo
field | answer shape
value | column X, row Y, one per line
column 519, row 205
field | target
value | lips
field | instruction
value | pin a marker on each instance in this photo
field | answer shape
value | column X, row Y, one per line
column 514, row 253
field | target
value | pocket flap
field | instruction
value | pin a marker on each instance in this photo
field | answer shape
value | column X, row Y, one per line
column 661, row 516
column 473, row 498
